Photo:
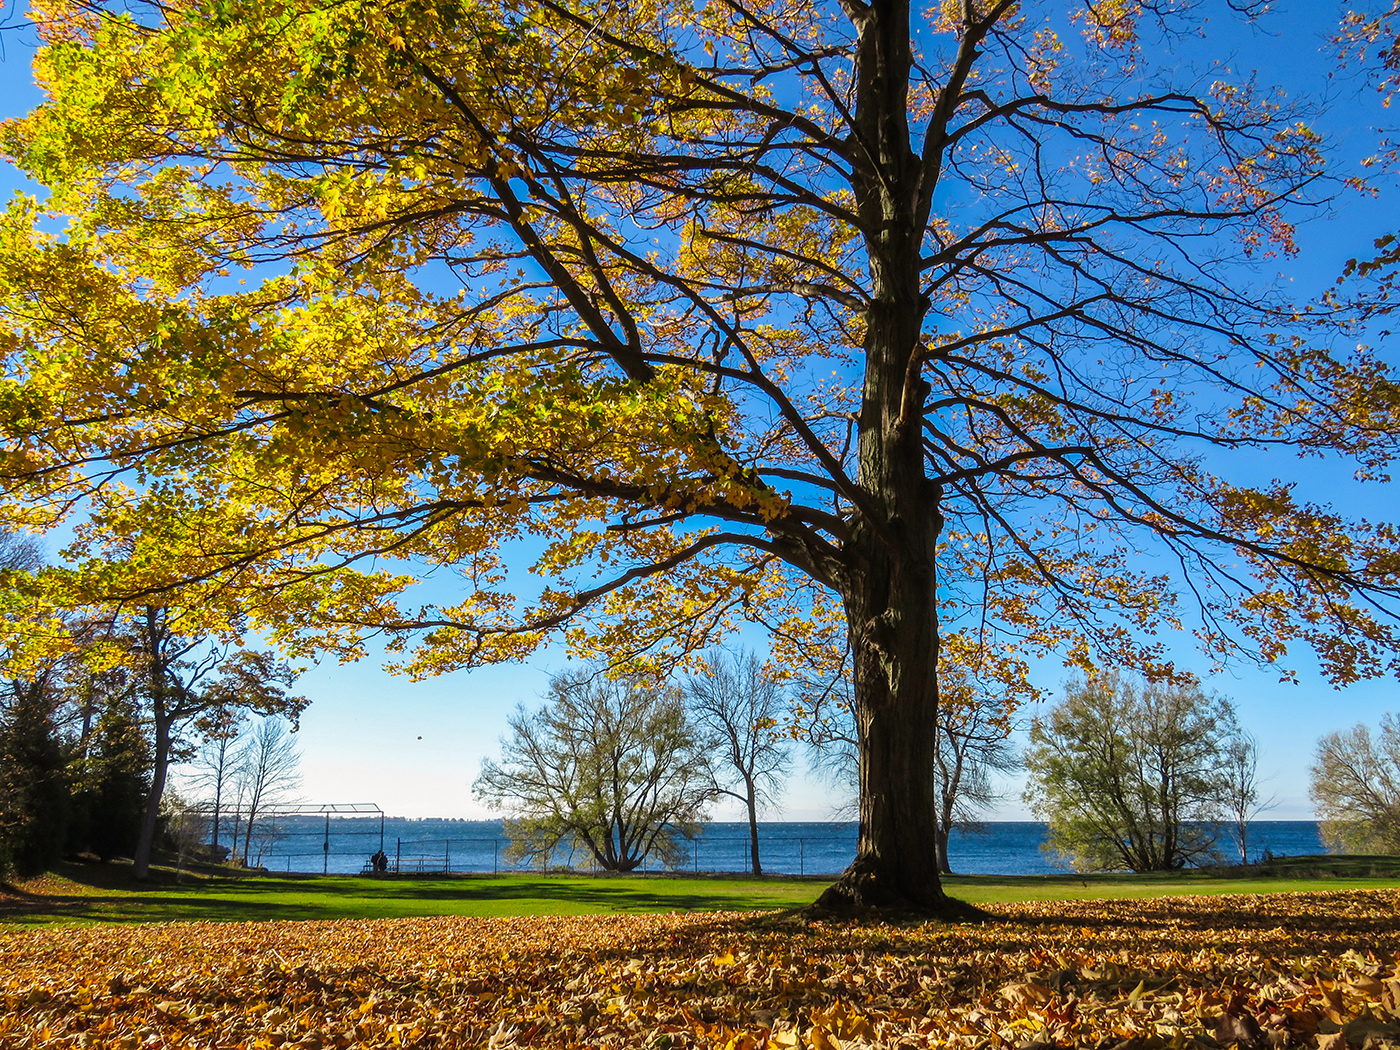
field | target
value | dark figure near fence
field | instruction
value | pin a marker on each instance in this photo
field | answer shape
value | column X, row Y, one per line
column 379, row 862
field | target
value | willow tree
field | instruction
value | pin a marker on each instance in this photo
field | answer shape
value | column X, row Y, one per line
column 733, row 310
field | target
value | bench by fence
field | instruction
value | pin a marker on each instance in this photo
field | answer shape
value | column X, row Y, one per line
column 409, row 866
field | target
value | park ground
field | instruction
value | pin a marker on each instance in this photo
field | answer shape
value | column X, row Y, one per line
column 107, row 893
column 1316, row 970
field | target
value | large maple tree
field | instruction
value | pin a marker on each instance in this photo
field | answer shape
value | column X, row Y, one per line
column 735, row 310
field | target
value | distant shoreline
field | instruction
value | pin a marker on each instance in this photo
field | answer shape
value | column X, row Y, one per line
column 762, row 823
column 344, row 844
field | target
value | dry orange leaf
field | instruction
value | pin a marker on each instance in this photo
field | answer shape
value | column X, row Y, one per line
column 1193, row 973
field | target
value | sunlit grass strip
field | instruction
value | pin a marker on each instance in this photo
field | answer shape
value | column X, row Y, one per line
column 85, row 893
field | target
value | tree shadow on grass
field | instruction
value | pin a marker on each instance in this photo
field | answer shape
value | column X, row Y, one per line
column 1331, row 920
column 153, row 908
column 108, row 893
column 94, row 892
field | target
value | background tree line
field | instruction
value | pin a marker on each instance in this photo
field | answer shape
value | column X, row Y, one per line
column 1147, row 776
column 623, row 767
column 88, row 737
column 1127, row 773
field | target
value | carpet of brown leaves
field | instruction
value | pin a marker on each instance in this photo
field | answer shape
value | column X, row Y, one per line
column 1309, row 970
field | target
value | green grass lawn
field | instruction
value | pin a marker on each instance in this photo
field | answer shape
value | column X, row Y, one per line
column 107, row 893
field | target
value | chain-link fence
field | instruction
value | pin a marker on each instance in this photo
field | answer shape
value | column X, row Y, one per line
column 344, row 839
column 359, row 839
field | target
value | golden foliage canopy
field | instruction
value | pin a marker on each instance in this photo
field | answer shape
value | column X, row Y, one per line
column 657, row 292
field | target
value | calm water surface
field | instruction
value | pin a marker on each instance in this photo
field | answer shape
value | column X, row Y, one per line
column 999, row 848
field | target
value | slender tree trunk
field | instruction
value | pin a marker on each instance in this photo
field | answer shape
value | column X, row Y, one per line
column 1168, row 823
column 949, row 785
column 218, row 799
column 753, row 829
column 945, row 830
column 221, row 776
column 254, row 808
column 89, row 715
column 944, row 868
column 145, row 841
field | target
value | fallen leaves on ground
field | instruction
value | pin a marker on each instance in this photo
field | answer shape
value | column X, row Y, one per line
column 1316, row 970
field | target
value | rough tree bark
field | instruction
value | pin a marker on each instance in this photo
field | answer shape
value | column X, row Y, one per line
column 891, row 580
column 158, row 683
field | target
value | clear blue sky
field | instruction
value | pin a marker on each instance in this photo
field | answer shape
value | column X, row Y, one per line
column 414, row 748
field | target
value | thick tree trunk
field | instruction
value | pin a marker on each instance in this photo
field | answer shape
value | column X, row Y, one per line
column 891, row 609
column 890, row 587
column 895, row 645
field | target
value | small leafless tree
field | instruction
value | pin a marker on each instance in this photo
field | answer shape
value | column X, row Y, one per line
column 971, row 745
column 1242, row 797
column 821, row 716
column 738, row 706
column 613, row 767
column 215, row 764
column 267, row 777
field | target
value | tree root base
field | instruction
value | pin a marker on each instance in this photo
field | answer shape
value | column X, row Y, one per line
column 861, row 894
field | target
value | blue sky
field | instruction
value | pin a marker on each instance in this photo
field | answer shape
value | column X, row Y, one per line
column 414, row 748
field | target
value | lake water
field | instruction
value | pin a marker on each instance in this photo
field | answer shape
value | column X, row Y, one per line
column 1000, row 848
